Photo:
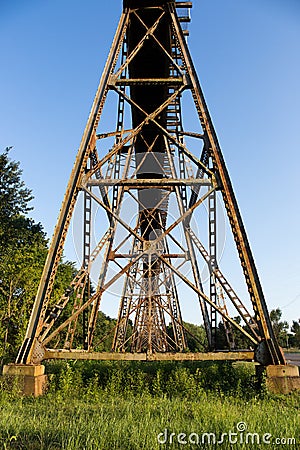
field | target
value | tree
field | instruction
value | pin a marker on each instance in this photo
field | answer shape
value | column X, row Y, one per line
column 23, row 249
column 21, row 263
column 240, row 340
column 196, row 337
column 280, row 327
column 295, row 329
column 14, row 196
column 104, row 333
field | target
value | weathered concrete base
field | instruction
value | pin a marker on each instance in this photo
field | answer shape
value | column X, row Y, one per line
column 282, row 371
column 281, row 379
column 27, row 379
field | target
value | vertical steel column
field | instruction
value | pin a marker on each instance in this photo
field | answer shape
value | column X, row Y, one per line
column 195, row 268
column 81, row 291
column 212, row 235
column 174, row 305
column 125, row 303
column 87, row 232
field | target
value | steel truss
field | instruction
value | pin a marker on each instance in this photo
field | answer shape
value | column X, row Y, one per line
column 148, row 161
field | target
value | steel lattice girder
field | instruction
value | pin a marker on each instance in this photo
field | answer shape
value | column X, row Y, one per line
column 150, row 68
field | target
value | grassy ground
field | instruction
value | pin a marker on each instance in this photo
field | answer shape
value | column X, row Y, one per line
column 132, row 409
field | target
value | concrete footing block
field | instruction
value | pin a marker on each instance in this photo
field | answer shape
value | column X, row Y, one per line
column 281, row 379
column 29, row 379
column 286, row 370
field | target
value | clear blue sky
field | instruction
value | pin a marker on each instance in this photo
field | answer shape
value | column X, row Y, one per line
column 247, row 54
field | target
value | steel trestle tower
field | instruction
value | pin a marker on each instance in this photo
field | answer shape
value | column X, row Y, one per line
column 142, row 182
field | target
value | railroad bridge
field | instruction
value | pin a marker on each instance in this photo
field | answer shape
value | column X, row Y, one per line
column 149, row 185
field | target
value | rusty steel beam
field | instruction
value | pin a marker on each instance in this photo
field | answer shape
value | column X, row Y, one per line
column 183, row 4
column 167, row 356
column 114, row 81
column 114, row 255
column 153, row 183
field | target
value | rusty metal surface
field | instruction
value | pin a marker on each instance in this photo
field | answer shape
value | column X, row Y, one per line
column 146, row 182
column 114, row 356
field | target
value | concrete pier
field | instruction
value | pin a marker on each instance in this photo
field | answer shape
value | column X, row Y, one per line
column 30, row 379
column 281, row 379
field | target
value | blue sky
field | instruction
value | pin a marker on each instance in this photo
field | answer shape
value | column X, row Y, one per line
column 247, row 54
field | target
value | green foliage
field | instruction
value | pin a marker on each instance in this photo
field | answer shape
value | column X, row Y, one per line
column 23, row 249
column 86, row 416
column 165, row 378
column 22, row 253
column 295, row 338
column 14, row 196
column 103, row 336
column 196, row 337
column 241, row 342
column 280, row 327
column 20, row 269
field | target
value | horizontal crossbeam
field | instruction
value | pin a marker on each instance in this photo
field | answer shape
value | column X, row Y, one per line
column 184, row 4
column 147, row 182
column 145, row 81
column 104, row 356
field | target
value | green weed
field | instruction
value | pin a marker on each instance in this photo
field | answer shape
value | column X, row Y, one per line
column 106, row 406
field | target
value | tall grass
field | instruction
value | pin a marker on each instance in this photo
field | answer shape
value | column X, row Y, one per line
column 109, row 406
column 184, row 379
